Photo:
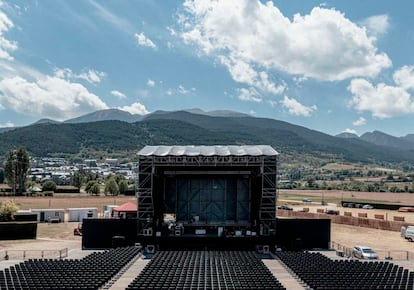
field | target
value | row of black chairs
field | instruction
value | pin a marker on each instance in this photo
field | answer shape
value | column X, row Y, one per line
column 91, row 272
column 205, row 270
column 320, row 272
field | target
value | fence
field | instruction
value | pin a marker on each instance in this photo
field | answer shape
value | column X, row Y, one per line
column 348, row 220
column 33, row 254
column 382, row 255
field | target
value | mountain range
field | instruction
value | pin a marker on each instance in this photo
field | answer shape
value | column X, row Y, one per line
column 114, row 130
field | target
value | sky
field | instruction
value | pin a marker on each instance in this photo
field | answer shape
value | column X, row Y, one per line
column 331, row 66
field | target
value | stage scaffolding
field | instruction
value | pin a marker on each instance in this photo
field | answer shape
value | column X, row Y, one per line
column 208, row 158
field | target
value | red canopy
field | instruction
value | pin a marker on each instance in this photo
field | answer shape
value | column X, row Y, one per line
column 126, row 207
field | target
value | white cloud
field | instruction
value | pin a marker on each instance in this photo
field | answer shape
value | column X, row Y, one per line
column 351, row 131
column 296, row 108
column 7, row 125
column 90, row 75
column 6, row 46
column 383, row 101
column 250, row 95
column 135, row 109
column 171, row 31
column 377, row 25
column 404, row 77
column 118, row 94
column 272, row 103
column 361, row 121
column 48, row 97
column 144, row 41
column 182, row 90
column 248, row 36
column 150, row 83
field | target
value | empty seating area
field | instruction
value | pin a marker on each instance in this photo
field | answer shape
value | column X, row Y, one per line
column 205, row 270
column 320, row 272
column 91, row 272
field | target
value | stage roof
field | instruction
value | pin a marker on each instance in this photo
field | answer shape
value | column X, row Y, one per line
column 218, row 150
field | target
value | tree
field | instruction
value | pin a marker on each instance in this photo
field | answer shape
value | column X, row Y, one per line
column 92, row 187
column 49, row 186
column 77, row 179
column 111, row 187
column 1, row 175
column 16, row 169
column 123, row 186
column 7, row 210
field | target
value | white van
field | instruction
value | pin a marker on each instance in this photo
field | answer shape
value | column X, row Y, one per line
column 408, row 233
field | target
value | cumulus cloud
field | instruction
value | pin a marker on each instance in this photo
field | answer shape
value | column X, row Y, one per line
column 361, row 121
column 296, row 108
column 404, row 77
column 118, row 94
column 135, row 109
column 6, row 46
column 90, row 75
column 144, row 41
column 351, row 131
column 48, row 97
column 249, row 37
column 7, row 125
column 383, row 101
column 377, row 25
column 250, row 95
column 150, row 83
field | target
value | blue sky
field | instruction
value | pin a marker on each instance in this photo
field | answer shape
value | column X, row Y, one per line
column 332, row 66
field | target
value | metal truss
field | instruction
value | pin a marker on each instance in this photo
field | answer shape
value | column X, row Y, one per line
column 144, row 194
column 269, row 190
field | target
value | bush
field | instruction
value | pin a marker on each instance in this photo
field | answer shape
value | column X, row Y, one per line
column 7, row 210
column 49, row 186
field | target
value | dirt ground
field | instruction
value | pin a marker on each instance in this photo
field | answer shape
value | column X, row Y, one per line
column 338, row 195
column 58, row 236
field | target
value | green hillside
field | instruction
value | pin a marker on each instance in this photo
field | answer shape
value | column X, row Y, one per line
column 117, row 138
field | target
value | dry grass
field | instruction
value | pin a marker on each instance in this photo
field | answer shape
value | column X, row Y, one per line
column 64, row 201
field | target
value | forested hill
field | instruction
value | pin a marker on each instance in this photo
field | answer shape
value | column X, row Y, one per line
column 186, row 128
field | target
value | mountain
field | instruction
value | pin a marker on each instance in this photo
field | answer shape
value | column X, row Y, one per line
column 217, row 113
column 383, row 139
column 108, row 137
column 119, row 115
column 46, row 121
column 347, row 135
column 106, row 115
column 409, row 138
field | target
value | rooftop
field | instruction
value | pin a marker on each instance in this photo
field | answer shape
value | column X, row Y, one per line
column 217, row 150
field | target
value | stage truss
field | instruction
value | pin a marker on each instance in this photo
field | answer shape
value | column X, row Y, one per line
column 147, row 164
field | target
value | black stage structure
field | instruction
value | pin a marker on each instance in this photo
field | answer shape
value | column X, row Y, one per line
column 207, row 196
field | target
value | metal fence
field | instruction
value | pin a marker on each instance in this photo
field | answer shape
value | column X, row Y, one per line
column 33, row 254
column 346, row 252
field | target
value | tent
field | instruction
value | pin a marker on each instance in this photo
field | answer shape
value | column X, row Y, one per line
column 126, row 210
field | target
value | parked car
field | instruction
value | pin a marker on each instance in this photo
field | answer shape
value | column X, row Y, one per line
column 332, row 211
column 285, row 207
column 364, row 252
column 367, row 206
column 408, row 233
